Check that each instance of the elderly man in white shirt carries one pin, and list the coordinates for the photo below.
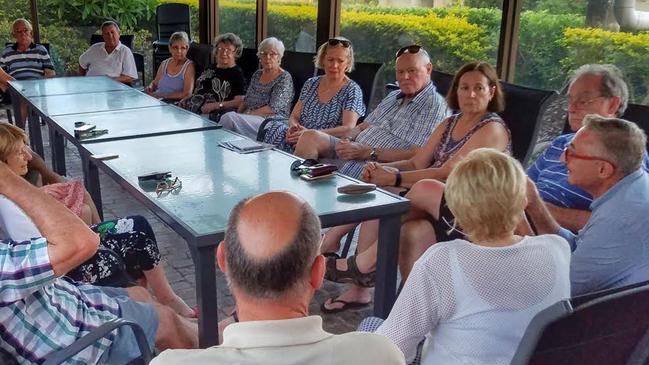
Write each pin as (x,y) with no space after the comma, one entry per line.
(271,258)
(110,57)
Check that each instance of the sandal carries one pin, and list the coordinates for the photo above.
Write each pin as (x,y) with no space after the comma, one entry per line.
(351,276)
(345,305)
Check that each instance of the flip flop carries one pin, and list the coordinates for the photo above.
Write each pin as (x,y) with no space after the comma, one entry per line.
(345,306)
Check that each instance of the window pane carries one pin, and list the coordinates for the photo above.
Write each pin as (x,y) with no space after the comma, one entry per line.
(294,22)
(67,26)
(238,17)
(558,36)
(452,35)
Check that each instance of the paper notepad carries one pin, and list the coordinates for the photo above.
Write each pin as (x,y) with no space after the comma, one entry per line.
(244,145)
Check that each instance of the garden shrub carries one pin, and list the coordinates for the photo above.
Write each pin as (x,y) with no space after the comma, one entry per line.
(626,50)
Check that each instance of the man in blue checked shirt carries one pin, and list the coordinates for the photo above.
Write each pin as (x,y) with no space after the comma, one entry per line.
(594,89)
(41,313)
(399,125)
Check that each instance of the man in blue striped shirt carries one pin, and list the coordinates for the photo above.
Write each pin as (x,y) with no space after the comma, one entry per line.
(24,60)
(41,313)
(399,125)
(594,89)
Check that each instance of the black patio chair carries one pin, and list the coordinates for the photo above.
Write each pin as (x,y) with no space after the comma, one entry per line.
(300,66)
(201,54)
(248,62)
(610,329)
(139,66)
(523,107)
(65,354)
(442,81)
(170,18)
(364,74)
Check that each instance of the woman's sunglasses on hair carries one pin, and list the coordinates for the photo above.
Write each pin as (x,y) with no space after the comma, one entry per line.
(409,49)
(336,41)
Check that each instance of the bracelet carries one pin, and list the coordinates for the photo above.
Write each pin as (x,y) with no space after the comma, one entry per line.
(397,181)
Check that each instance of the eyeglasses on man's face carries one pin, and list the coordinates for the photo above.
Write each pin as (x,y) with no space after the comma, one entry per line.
(570,154)
(270,54)
(583,102)
(414,48)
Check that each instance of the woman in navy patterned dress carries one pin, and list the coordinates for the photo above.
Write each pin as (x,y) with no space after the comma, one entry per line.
(331,102)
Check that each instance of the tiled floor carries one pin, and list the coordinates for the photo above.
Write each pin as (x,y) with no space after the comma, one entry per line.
(177,261)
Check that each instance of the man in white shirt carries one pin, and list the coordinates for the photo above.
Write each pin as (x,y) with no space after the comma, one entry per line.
(270,256)
(110,57)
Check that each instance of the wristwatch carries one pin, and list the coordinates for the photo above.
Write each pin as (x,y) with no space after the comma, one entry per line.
(373,155)
(220,105)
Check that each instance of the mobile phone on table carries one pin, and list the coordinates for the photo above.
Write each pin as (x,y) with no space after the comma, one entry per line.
(321,169)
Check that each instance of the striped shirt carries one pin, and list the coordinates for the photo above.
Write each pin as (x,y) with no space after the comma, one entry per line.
(551,177)
(40,313)
(395,125)
(26,65)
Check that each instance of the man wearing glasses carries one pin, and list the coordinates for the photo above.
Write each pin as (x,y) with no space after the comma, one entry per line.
(399,125)
(605,159)
(594,89)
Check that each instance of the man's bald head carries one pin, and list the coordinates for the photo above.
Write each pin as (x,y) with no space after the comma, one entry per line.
(270,244)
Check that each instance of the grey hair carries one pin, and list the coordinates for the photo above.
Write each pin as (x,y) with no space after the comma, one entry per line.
(228,38)
(613,83)
(271,43)
(322,52)
(179,37)
(27,23)
(109,23)
(622,141)
(278,275)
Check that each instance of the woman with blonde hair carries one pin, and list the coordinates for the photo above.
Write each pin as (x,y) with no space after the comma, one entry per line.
(175,77)
(473,298)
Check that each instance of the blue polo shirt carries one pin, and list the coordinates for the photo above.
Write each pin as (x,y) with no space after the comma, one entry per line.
(612,250)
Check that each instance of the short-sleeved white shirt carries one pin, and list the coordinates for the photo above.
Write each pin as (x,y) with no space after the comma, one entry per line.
(97,62)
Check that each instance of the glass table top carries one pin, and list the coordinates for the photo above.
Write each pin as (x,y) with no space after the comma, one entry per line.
(215,179)
(67,85)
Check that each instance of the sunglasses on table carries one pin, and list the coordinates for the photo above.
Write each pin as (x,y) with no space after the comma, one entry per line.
(414,48)
(335,41)
(168,186)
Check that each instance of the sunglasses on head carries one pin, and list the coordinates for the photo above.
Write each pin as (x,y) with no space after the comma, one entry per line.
(409,49)
(336,41)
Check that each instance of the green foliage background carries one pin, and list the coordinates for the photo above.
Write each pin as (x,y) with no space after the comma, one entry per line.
(552,38)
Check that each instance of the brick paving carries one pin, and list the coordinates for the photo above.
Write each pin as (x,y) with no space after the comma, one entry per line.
(176,257)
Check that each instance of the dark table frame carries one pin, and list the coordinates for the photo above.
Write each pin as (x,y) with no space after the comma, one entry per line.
(202,247)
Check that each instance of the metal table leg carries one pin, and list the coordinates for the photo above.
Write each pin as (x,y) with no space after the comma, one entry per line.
(385,292)
(91,180)
(58,151)
(35,137)
(204,260)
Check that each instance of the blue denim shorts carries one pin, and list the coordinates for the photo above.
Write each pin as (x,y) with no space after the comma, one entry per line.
(124,348)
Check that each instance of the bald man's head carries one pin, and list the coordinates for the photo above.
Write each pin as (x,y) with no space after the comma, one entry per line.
(270,244)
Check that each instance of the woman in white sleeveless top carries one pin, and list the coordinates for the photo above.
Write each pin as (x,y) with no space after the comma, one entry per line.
(472,300)
(175,77)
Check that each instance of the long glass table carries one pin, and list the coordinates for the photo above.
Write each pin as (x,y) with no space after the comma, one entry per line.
(121,124)
(73,95)
(214,179)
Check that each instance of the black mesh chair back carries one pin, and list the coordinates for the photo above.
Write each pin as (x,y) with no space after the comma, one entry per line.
(125,39)
(201,54)
(300,66)
(139,66)
(639,114)
(171,18)
(364,74)
(248,62)
(523,107)
(610,329)
(636,113)
(442,81)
